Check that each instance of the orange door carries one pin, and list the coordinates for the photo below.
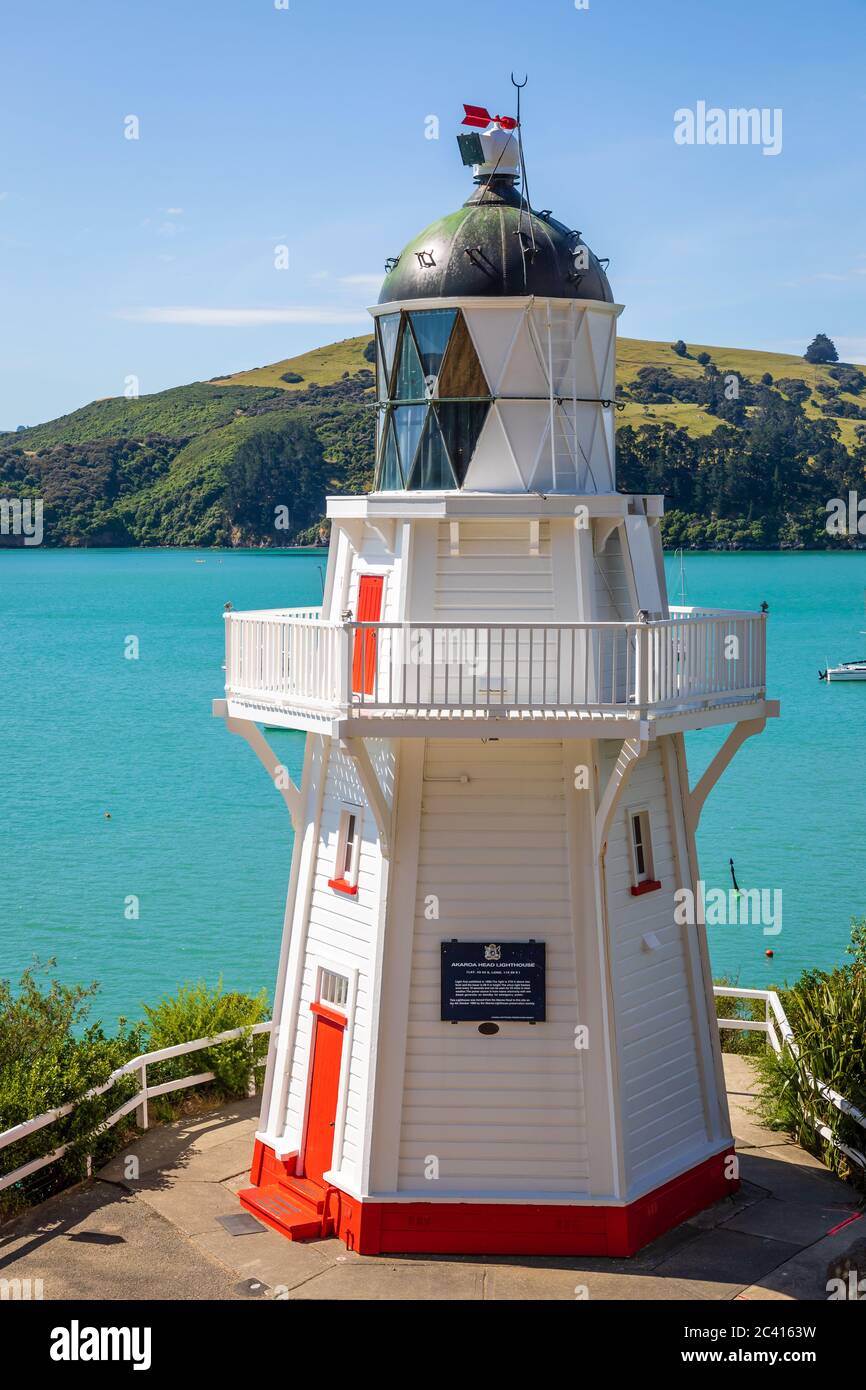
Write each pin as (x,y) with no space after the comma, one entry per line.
(369,611)
(324,1086)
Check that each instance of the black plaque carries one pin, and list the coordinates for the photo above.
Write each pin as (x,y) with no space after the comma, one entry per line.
(497,982)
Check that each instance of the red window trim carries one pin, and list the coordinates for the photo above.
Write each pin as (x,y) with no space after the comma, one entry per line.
(342,886)
(331,1015)
(649,885)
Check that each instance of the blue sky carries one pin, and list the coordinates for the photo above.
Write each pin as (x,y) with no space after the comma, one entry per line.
(262,126)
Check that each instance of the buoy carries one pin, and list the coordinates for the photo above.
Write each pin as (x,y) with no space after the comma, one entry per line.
(107,815)
(769,954)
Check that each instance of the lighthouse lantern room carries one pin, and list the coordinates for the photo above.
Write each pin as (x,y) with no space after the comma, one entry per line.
(493,1023)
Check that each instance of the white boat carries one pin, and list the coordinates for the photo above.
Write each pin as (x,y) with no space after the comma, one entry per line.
(845,671)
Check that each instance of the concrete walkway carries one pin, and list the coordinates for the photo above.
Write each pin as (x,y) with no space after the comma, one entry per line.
(159,1236)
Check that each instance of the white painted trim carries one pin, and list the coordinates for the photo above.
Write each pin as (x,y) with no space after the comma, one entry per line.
(277,771)
(351,973)
(491,302)
(392,1022)
(299,931)
(597,1074)
(356,749)
(631,751)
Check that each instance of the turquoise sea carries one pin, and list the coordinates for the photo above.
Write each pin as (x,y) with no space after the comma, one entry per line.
(197,834)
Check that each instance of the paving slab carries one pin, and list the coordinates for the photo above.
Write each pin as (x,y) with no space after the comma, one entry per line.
(192,1206)
(741,1076)
(786,1172)
(801,1223)
(732,1258)
(378,1280)
(269,1257)
(804,1276)
(100,1243)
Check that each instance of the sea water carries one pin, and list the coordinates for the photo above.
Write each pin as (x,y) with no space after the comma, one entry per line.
(144,846)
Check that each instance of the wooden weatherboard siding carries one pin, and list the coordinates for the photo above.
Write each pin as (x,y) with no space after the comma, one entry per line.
(493,1110)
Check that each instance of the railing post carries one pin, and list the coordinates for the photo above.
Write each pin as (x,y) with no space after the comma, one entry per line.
(228,623)
(345,668)
(642,633)
(141,1111)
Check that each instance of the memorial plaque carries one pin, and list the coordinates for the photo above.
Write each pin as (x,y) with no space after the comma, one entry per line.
(497,982)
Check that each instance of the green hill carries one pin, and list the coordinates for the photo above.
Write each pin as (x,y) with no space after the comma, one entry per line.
(210,463)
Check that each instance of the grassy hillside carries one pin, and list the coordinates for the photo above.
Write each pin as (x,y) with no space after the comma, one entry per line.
(322,367)
(209,463)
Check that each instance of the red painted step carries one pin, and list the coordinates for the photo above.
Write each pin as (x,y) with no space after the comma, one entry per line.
(304,1191)
(275,1206)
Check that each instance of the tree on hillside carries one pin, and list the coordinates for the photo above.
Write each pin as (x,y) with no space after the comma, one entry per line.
(679,348)
(277,469)
(821,349)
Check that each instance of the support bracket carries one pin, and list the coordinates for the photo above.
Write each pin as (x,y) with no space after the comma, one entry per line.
(356,749)
(732,744)
(277,771)
(602,529)
(631,751)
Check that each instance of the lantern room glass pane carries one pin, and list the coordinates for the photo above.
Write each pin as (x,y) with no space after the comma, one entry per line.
(432,328)
(408,424)
(410,374)
(432,470)
(381,373)
(390,478)
(462,373)
(461,423)
(389,326)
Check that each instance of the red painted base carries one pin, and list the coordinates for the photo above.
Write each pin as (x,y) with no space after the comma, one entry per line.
(500,1228)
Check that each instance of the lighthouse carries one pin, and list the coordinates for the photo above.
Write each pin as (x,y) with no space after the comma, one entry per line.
(493,1025)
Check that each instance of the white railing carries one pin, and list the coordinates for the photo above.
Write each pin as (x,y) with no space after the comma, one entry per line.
(691,660)
(780,1036)
(137,1102)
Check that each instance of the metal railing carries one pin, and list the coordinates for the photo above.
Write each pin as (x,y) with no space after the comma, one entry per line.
(137,1102)
(690,660)
(780,1036)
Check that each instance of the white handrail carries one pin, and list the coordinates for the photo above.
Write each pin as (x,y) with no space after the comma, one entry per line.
(691,660)
(774,1003)
(136,1102)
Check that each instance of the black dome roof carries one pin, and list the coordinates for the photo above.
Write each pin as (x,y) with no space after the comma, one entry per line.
(485,248)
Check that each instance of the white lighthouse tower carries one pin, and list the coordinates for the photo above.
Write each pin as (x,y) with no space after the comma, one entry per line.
(493,1021)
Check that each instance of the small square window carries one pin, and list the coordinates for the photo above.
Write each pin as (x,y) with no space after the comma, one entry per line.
(333,989)
(348,854)
(640,843)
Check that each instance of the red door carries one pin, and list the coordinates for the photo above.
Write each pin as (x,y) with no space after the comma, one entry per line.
(324,1086)
(369,611)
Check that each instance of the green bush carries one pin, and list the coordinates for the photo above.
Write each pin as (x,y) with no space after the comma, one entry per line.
(51,1055)
(196,1011)
(827,1014)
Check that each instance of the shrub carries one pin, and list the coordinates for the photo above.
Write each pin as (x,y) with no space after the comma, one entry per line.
(679,348)
(827,1014)
(292,378)
(50,1055)
(704,358)
(196,1011)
